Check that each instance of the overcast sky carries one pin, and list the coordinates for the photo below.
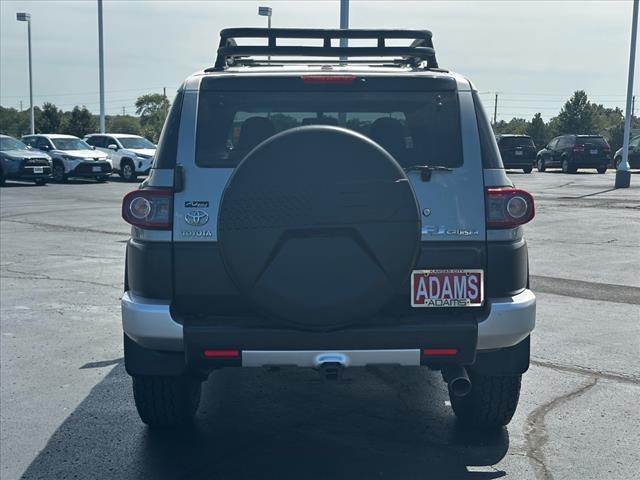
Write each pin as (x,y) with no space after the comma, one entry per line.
(535,53)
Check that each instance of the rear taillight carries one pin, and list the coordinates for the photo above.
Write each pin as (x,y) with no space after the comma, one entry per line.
(508,207)
(148,208)
(328,78)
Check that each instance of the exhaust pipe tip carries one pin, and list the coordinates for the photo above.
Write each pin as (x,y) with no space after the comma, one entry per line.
(460,386)
(458,380)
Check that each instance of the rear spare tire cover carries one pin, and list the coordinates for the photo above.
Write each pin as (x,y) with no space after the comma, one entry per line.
(319,226)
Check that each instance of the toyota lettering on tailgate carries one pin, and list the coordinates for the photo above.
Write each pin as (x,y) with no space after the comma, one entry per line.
(447,288)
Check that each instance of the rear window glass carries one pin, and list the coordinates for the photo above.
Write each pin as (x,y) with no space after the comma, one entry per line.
(416,128)
(511,142)
(599,141)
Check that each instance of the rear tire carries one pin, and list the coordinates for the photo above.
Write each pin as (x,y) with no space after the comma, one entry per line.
(101,179)
(527,169)
(541,165)
(166,402)
(128,171)
(602,169)
(58,173)
(490,404)
(2,179)
(40,182)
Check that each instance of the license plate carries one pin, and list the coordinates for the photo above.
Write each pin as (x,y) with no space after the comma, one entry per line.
(593,152)
(96,169)
(518,152)
(447,288)
(38,170)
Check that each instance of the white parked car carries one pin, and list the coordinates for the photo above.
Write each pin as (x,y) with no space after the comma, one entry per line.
(72,158)
(130,155)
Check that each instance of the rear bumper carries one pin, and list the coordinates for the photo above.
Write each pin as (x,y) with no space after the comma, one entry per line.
(510,320)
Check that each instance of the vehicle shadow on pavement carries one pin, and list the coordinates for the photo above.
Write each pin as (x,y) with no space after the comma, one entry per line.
(380,422)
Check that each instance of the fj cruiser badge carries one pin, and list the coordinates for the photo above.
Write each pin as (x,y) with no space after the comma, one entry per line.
(196,218)
(196,204)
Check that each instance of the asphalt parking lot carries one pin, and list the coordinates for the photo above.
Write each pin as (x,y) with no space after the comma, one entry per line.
(67,410)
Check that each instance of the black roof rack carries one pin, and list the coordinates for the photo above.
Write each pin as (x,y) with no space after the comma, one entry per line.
(420,50)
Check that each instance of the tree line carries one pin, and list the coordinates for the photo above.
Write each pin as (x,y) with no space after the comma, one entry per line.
(579,116)
(151,110)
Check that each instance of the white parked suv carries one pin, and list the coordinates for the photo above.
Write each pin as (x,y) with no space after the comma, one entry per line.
(130,155)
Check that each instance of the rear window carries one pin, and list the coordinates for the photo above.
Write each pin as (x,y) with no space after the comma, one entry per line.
(598,141)
(512,142)
(417,128)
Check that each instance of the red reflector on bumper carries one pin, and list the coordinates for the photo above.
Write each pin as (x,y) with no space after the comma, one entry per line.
(221,353)
(439,351)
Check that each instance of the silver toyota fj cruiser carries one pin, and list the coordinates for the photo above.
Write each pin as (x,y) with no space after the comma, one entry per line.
(327,207)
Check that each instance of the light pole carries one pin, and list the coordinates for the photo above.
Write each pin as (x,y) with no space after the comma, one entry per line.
(26,17)
(266,12)
(101,66)
(623,175)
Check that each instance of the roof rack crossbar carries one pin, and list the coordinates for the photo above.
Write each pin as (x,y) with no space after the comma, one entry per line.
(421,49)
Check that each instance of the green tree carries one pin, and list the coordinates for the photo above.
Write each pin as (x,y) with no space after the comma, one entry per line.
(124,124)
(50,120)
(79,122)
(153,109)
(576,116)
(517,126)
(537,130)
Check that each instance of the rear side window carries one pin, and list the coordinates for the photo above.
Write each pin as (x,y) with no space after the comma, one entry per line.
(168,143)
(417,128)
(488,146)
(565,142)
(597,141)
(512,142)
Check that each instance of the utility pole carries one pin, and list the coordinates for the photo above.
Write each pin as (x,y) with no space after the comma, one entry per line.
(123,111)
(495,110)
(101,66)
(26,17)
(623,175)
(21,105)
(633,106)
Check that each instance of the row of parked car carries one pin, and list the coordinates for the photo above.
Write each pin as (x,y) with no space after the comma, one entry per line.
(567,152)
(58,157)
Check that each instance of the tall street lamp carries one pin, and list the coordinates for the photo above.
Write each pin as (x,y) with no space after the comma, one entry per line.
(623,175)
(101,65)
(266,12)
(26,17)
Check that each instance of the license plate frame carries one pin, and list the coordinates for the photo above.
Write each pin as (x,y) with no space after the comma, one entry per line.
(97,169)
(593,151)
(519,153)
(38,169)
(422,288)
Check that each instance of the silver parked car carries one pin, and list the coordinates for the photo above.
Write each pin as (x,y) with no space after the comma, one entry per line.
(71,157)
(327,215)
(130,155)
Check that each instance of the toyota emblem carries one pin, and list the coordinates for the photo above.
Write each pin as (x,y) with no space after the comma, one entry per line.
(196,218)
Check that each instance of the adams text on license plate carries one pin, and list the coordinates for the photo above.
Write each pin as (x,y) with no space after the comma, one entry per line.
(447,288)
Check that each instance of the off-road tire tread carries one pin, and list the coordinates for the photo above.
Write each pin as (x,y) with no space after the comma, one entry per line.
(165,402)
(490,404)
